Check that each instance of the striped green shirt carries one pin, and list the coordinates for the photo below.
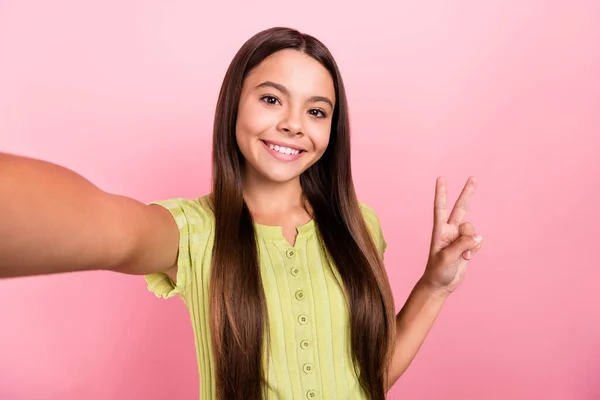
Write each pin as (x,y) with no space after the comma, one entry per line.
(310,356)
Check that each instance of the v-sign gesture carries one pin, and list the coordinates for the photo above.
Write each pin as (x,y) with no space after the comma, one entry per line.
(453,242)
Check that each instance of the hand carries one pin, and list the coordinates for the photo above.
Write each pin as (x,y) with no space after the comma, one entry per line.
(453,243)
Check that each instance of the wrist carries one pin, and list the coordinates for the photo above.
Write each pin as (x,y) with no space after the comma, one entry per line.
(433,289)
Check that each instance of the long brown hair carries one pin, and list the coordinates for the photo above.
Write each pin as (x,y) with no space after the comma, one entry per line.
(238,307)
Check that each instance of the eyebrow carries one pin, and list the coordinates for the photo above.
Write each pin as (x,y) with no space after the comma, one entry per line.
(284,90)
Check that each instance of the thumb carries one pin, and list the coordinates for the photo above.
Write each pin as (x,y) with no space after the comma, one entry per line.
(462,244)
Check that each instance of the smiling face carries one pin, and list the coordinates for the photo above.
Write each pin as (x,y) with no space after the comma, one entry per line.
(285,115)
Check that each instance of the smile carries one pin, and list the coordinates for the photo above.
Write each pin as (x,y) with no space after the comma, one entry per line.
(283,153)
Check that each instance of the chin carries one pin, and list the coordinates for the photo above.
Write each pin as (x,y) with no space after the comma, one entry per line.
(274,175)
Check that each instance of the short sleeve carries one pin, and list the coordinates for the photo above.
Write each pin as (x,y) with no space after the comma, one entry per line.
(374,227)
(193,224)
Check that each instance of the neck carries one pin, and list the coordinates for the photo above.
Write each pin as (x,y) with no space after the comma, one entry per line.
(265,196)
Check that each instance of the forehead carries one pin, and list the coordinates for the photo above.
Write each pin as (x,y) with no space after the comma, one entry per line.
(298,72)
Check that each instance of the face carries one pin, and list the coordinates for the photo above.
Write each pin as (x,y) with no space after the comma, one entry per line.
(284,116)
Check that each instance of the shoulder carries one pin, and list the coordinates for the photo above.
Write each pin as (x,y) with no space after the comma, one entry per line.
(374,225)
(193,214)
(368,212)
(370,216)
(194,218)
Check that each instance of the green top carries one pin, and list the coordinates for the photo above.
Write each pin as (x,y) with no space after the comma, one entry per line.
(309,322)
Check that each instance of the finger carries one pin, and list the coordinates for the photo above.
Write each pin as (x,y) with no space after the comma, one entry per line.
(461,246)
(477,248)
(469,254)
(440,212)
(466,229)
(464,201)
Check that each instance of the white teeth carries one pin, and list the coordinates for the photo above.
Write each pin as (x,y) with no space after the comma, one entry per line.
(284,150)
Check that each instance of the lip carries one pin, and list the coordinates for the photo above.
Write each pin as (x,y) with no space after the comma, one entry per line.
(280,156)
(281,144)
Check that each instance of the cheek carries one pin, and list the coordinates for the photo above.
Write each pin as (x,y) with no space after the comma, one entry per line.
(252,120)
(321,139)
(244,124)
(246,130)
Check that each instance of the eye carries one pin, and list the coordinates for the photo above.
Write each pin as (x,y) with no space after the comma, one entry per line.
(315,112)
(271,100)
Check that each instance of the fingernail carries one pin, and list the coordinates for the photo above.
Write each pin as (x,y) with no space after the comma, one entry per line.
(468,254)
(477,238)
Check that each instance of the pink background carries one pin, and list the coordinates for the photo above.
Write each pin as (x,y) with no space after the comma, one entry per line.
(123,92)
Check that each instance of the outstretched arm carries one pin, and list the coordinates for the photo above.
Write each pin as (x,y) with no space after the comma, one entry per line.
(53,220)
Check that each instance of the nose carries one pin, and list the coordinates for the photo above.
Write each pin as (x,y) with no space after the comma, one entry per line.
(291,124)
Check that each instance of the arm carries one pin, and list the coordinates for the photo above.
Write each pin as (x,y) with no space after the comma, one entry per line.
(53,220)
(453,245)
(413,323)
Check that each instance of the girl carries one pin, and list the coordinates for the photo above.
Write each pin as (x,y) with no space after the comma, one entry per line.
(280,266)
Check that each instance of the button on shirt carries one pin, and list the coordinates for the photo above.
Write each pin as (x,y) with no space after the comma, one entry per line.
(309,355)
